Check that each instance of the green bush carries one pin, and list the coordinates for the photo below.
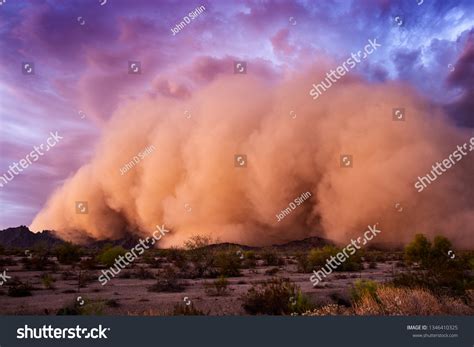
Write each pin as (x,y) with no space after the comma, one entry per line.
(362,288)
(68,253)
(439,273)
(317,259)
(271,258)
(228,263)
(109,254)
(302,262)
(249,260)
(419,250)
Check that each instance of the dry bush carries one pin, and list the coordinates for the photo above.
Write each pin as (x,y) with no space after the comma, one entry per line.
(329,310)
(410,302)
(217,288)
(167,282)
(392,301)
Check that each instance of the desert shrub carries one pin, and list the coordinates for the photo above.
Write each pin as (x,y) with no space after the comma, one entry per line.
(186,310)
(19,289)
(340,299)
(168,282)
(202,258)
(38,262)
(437,271)
(272,271)
(176,256)
(88,264)
(218,287)
(372,265)
(109,254)
(329,310)
(69,310)
(112,303)
(419,250)
(375,255)
(140,272)
(300,303)
(363,288)
(68,275)
(250,260)
(302,262)
(150,258)
(48,281)
(68,253)
(197,241)
(275,297)
(317,258)
(400,264)
(228,263)
(5,262)
(198,253)
(143,273)
(88,308)
(271,258)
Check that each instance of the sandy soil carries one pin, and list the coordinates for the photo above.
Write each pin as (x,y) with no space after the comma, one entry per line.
(133,297)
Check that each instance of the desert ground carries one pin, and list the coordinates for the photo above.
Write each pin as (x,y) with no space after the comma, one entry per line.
(229,280)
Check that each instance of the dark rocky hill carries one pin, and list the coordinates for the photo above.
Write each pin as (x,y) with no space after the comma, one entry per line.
(22,237)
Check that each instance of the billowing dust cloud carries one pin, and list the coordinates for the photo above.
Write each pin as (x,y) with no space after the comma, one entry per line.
(190,184)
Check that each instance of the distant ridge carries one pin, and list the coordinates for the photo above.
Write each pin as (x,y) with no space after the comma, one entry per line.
(22,237)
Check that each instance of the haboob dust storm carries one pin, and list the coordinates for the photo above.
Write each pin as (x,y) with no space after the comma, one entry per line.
(190,183)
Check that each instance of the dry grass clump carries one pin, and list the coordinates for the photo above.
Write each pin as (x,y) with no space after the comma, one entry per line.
(409,302)
(330,310)
(392,301)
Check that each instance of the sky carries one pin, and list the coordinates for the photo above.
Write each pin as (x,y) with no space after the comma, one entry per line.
(81,51)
